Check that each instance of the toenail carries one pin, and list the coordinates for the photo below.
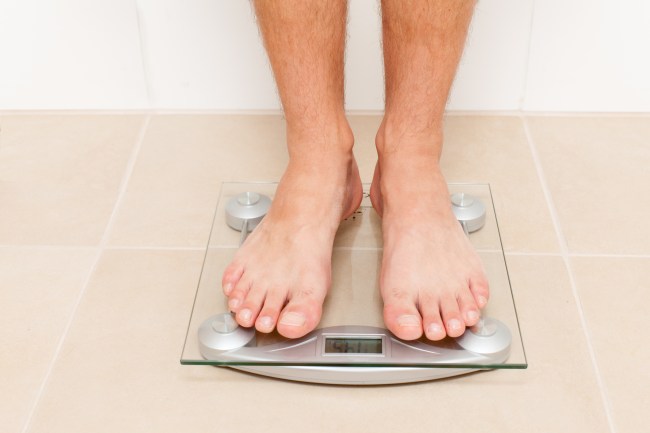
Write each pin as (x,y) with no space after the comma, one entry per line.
(266,322)
(227,288)
(293,319)
(245,314)
(453,325)
(482,301)
(234,303)
(472,316)
(434,328)
(408,320)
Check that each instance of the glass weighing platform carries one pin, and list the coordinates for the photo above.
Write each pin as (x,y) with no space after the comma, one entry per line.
(351,345)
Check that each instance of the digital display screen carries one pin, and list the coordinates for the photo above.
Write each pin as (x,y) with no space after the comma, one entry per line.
(353,345)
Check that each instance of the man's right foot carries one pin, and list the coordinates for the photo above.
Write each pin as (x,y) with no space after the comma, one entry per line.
(281,274)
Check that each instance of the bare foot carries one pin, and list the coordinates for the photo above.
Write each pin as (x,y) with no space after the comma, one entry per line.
(282,273)
(431,279)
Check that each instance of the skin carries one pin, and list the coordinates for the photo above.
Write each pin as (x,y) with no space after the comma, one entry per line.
(432,281)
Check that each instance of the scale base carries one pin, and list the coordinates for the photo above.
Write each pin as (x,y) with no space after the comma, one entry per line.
(354,375)
(354,355)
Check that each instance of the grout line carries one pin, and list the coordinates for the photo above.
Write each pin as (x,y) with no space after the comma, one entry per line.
(190,248)
(142,43)
(77,112)
(100,249)
(152,248)
(524,90)
(529,253)
(567,263)
(225,246)
(611,256)
(47,247)
(581,114)
(277,112)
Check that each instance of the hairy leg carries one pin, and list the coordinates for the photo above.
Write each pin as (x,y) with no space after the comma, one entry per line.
(282,273)
(432,280)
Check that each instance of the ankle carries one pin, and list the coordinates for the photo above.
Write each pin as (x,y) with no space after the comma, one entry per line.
(325,135)
(413,138)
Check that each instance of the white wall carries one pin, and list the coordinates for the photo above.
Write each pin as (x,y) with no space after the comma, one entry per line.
(550,55)
(589,55)
(70,54)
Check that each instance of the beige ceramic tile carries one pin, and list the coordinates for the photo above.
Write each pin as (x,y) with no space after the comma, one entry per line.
(597,170)
(119,369)
(173,192)
(38,289)
(131,320)
(184,159)
(494,150)
(60,175)
(614,294)
(484,149)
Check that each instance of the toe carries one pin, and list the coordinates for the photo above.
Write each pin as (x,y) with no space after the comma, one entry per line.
(231,277)
(401,315)
(431,321)
(268,316)
(451,316)
(298,319)
(238,294)
(302,313)
(250,307)
(468,308)
(435,330)
(480,290)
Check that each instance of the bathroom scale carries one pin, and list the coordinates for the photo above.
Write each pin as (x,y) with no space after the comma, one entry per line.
(351,345)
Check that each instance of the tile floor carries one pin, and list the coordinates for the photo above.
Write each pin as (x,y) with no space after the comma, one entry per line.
(102,222)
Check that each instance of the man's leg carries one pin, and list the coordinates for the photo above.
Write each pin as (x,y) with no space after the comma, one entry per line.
(281,274)
(431,279)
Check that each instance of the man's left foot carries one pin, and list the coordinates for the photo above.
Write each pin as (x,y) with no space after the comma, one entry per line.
(431,280)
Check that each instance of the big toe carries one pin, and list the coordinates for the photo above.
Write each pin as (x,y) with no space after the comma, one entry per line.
(299,318)
(402,319)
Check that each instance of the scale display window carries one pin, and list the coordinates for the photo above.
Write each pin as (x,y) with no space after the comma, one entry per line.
(351,332)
